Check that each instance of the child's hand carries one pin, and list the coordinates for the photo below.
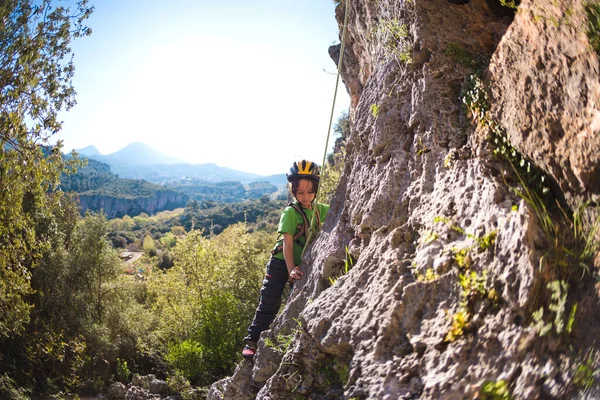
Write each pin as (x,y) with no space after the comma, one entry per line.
(296,274)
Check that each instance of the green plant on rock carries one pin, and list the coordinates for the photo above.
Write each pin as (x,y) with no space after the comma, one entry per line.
(394,36)
(509,4)
(430,275)
(449,160)
(429,237)
(571,242)
(421,147)
(463,56)
(488,240)
(476,99)
(348,264)
(450,224)
(592,9)
(584,236)
(473,285)
(584,376)
(495,390)
(473,288)
(559,291)
(460,320)
(462,257)
(406,55)
(333,372)
(282,342)
(375,110)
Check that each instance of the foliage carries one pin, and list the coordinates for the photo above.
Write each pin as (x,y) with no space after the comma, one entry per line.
(394,37)
(464,57)
(210,216)
(206,301)
(495,390)
(123,372)
(509,4)
(534,187)
(421,148)
(331,176)
(473,286)
(476,99)
(35,85)
(592,9)
(430,275)
(281,343)
(149,246)
(584,376)
(225,191)
(449,160)
(559,290)
(91,175)
(167,227)
(341,128)
(348,264)
(179,384)
(83,308)
(459,321)
(461,256)
(375,110)
(10,390)
(129,189)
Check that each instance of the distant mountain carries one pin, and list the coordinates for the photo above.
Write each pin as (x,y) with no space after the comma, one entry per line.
(167,173)
(140,161)
(90,151)
(138,153)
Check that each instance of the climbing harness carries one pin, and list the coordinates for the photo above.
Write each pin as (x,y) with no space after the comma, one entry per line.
(300,229)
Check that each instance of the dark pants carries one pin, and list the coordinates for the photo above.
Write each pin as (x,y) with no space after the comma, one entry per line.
(270,298)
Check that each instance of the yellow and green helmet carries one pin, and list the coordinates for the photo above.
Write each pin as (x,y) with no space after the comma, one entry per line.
(303,169)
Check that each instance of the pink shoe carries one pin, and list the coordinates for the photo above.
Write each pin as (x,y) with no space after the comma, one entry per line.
(248,352)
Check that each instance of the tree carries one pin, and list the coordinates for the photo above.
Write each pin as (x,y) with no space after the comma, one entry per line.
(149,246)
(94,264)
(36,70)
(207,300)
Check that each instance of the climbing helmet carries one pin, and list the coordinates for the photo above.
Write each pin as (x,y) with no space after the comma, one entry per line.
(303,169)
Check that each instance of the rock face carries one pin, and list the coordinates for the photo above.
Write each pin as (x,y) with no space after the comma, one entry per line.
(450,263)
(117,207)
(547,94)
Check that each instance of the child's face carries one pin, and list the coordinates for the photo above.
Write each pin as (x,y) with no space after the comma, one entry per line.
(305,193)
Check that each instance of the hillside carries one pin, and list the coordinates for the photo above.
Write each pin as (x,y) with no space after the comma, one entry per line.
(99,188)
(469,203)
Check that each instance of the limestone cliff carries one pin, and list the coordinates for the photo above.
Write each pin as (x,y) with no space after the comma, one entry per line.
(452,265)
(118,206)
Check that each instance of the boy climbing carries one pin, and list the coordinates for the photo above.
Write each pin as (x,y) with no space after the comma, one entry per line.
(284,264)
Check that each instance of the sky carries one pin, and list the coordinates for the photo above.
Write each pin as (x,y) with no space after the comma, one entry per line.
(244,84)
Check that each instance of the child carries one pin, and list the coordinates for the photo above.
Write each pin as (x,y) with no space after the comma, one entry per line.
(284,264)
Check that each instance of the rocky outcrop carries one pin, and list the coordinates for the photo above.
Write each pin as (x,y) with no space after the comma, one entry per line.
(117,207)
(450,263)
(544,78)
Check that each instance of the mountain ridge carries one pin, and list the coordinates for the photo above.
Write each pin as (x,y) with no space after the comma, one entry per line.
(138,160)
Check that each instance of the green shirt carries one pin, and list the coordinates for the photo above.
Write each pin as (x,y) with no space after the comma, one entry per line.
(289,221)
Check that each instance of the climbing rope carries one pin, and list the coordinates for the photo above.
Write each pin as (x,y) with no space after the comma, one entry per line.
(337,81)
